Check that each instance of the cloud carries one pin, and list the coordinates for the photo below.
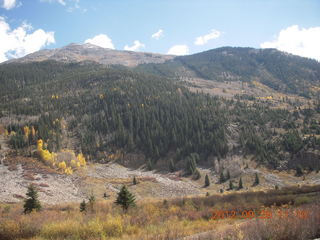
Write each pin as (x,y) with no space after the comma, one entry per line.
(101,40)
(135,47)
(21,41)
(9,4)
(178,50)
(62,2)
(157,35)
(205,38)
(299,41)
(70,5)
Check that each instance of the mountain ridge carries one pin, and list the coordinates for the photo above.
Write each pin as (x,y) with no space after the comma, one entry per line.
(88,52)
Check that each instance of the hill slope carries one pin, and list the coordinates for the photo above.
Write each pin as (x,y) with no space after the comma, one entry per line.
(89,52)
(105,112)
(278,70)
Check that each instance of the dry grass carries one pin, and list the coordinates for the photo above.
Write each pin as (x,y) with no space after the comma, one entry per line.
(165,220)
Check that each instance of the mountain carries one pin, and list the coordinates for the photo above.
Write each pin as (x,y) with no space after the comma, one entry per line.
(147,115)
(89,52)
(278,70)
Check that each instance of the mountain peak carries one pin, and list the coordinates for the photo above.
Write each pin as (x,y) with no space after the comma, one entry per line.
(75,52)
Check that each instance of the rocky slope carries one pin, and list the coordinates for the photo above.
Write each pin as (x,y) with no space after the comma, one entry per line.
(89,52)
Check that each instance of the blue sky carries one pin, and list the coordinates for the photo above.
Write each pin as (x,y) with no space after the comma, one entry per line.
(179,26)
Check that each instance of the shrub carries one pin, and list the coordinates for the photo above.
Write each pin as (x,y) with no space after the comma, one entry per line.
(61,230)
(113,226)
(9,229)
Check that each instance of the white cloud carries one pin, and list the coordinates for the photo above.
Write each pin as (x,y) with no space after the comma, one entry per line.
(178,50)
(101,40)
(21,41)
(71,5)
(299,41)
(157,35)
(205,38)
(137,45)
(62,2)
(9,4)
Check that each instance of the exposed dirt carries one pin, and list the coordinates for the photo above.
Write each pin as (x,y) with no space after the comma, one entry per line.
(17,173)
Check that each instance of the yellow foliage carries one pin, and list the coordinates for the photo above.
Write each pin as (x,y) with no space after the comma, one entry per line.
(39,145)
(73,163)
(62,165)
(33,132)
(74,229)
(61,230)
(81,159)
(12,133)
(113,227)
(26,131)
(68,171)
(47,156)
(6,133)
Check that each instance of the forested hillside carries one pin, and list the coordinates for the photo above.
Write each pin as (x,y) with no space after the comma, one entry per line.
(105,112)
(278,70)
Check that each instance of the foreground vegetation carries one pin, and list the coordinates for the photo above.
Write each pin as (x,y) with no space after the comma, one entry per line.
(172,219)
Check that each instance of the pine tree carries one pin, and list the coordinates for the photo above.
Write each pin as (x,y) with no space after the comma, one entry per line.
(134,181)
(230,185)
(83,206)
(222,179)
(171,165)
(228,175)
(149,164)
(32,202)
(125,198)
(299,171)
(240,184)
(256,180)
(191,165)
(206,181)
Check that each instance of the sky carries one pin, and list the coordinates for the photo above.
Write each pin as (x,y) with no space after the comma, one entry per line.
(177,27)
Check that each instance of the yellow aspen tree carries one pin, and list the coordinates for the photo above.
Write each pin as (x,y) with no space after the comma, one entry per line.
(62,165)
(81,159)
(73,163)
(68,171)
(39,145)
(6,133)
(33,132)
(26,131)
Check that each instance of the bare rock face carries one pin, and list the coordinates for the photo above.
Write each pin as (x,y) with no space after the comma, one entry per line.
(89,52)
